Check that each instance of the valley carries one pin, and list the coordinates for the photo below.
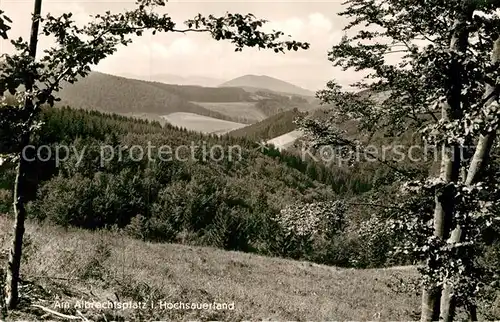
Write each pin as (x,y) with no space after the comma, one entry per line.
(217,110)
(175,161)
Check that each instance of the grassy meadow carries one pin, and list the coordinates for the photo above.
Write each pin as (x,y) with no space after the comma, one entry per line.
(70,265)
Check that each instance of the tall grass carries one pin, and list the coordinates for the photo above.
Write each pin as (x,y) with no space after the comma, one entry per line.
(107,266)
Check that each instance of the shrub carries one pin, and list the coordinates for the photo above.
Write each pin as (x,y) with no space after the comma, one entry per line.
(158,230)
(300,226)
(5,201)
(101,201)
(94,268)
(65,201)
(137,227)
(231,229)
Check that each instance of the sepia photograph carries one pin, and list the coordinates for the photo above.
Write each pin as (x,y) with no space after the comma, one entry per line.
(249,160)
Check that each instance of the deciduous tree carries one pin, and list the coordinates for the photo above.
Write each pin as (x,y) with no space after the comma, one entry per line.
(438,63)
(35,82)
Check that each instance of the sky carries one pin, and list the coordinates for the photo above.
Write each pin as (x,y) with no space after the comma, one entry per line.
(195,54)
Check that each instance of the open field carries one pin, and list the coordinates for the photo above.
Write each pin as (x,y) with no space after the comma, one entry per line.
(64,266)
(200,123)
(285,141)
(244,112)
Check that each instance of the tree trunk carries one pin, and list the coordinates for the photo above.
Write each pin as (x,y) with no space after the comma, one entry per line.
(443,213)
(450,164)
(12,278)
(477,165)
(473,312)
(14,265)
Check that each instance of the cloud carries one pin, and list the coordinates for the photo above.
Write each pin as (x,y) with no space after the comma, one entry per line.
(182,46)
(198,54)
(292,26)
(319,23)
(315,24)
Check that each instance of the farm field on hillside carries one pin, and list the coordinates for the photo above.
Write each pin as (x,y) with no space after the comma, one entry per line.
(147,116)
(200,123)
(244,112)
(284,141)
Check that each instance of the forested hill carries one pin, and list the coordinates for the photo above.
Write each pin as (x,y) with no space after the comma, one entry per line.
(194,192)
(114,94)
(269,128)
(268,83)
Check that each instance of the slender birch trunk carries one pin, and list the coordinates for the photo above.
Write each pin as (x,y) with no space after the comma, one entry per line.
(14,265)
(477,165)
(450,165)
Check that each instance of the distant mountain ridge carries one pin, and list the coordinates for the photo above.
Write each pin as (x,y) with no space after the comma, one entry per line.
(267,83)
(177,79)
(146,99)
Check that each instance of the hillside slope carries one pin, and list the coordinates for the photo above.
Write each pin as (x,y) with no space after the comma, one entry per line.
(266,82)
(269,128)
(115,94)
(286,140)
(242,112)
(69,266)
(178,80)
(132,97)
